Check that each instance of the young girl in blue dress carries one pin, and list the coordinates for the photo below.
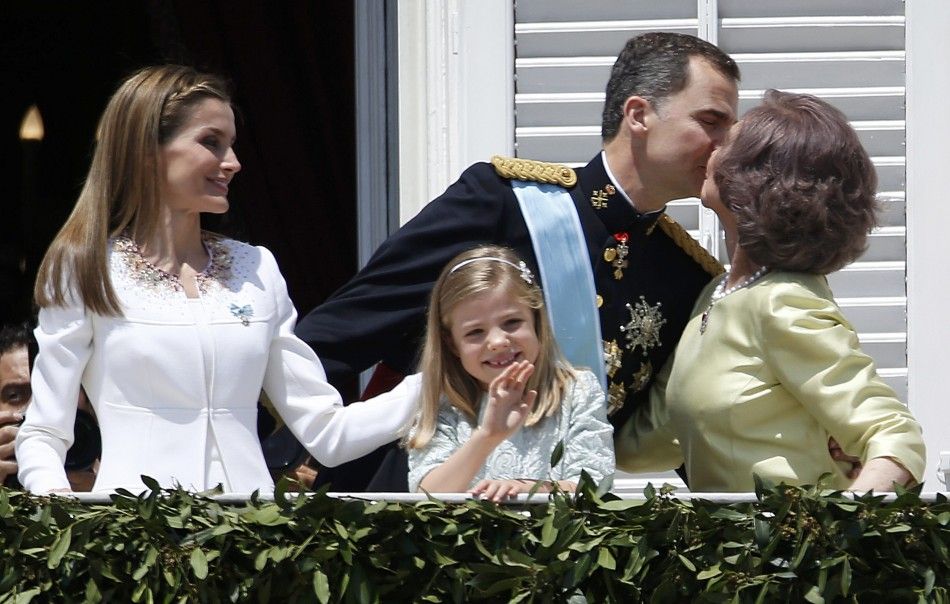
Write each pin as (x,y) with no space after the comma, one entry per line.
(497,396)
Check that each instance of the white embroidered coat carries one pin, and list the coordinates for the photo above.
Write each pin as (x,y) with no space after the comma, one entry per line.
(175,381)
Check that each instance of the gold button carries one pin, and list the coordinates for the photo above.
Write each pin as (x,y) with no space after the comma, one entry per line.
(600,300)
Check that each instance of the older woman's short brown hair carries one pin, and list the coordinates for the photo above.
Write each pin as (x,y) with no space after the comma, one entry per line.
(801,186)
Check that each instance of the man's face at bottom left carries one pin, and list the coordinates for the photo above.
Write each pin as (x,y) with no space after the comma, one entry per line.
(15,391)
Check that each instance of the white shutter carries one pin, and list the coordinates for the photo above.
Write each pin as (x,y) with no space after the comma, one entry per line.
(848,52)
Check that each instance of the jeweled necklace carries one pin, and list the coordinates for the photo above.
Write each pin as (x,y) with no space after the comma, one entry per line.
(722,291)
(145,273)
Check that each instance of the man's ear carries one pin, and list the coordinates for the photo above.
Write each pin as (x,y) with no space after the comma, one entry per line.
(636,110)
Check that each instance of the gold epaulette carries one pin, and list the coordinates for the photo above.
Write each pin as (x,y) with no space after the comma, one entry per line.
(697,252)
(537,171)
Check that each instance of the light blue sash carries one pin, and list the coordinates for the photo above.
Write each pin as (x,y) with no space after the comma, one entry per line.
(561,252)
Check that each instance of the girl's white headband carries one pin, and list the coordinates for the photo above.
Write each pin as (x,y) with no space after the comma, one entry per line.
(521,266)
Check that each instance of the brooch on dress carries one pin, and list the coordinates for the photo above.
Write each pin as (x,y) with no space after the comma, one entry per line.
(243,313)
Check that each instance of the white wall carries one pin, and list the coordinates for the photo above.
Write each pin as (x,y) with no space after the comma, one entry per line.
(456,92)
(928,216)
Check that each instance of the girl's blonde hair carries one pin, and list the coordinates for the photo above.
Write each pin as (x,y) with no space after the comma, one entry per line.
(121,191)
(482,269)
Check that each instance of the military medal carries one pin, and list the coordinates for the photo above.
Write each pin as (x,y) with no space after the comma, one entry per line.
(618,255)
(612,357)
(616,396)
(642,377)
(643,330)
(599,198)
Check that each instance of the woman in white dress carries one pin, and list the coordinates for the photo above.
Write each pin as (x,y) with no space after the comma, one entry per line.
(172,330)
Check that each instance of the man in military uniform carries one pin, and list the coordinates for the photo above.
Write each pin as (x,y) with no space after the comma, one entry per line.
(670,102)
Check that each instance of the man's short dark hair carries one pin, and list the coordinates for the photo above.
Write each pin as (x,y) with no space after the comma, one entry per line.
(14,336)
(654,66)
(801,186)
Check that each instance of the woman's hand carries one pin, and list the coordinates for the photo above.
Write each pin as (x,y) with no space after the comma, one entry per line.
(499,490)
(881,474)
(838,454)
(508,404)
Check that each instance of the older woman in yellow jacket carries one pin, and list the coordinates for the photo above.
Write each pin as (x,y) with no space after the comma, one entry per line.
(768,368)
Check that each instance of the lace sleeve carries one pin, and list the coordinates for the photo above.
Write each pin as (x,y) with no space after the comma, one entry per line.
(589,441)
(444,442)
